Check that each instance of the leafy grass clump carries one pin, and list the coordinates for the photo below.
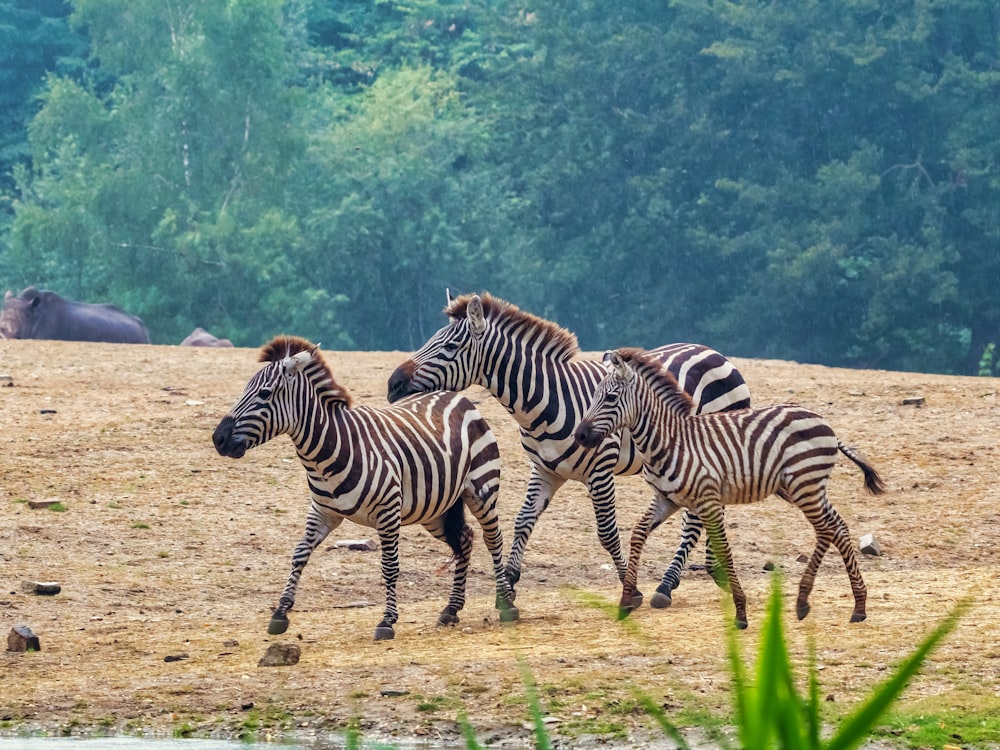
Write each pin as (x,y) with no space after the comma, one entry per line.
(770,712)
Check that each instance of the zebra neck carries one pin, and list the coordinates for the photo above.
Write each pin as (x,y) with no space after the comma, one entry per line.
(315,429)
(657,428)
(531,387)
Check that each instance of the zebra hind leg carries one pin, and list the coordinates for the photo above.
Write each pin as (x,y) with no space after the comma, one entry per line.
(482,504)
(456,600)
(389,539)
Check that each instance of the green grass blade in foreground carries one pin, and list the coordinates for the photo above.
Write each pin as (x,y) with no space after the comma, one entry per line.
(854,730)
(534,706)
(660,717)
(468,733)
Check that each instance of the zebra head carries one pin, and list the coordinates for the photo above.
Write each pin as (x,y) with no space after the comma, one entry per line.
(613,403)
(452,359)
(270,402)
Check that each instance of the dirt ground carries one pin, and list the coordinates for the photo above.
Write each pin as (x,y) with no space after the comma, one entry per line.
(164,549)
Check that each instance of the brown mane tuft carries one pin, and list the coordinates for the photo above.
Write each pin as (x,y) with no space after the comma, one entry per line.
(287,346)
(563,343)
(662,381)
(280,347)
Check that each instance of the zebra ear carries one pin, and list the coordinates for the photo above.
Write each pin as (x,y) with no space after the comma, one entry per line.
(476,316)
(618,366)
(296,362)
(447,293)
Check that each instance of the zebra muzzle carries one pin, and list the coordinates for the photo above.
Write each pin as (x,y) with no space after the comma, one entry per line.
(226,443)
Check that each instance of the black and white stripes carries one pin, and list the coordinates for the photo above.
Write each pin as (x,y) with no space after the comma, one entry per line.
(421,461)
(703,462)
(530,365)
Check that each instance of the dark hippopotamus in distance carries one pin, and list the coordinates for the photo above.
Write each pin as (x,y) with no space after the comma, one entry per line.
(40,314)
(200,337)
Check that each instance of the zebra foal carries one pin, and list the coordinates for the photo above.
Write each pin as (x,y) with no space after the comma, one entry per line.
(422,461)
(533,368)
(705,461)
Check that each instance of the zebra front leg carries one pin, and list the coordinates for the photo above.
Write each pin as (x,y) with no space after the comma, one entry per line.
(541,487)
(690,531)
(711,515)
(388,531)
(601,486)
(318,527)
(659,510)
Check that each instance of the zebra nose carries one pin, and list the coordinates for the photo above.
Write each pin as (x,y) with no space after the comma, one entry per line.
(399,383)
(587,436)
(222,439)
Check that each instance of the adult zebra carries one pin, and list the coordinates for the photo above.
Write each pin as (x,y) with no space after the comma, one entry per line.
(530,365)
(704,461)
(420,462)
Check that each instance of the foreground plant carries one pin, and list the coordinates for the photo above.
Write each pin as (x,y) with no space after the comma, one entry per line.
(770,713)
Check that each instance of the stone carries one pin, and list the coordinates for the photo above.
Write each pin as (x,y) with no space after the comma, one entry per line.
(869,545)
(42,588)
(362,545)
(913,401)
(20,638)
(280,655)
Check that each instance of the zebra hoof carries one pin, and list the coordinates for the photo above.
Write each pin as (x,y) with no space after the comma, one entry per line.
(660,600)
(509,614)
(447,618)
(277,625)
(801,610)
(859,617)
(637,600)
(624,612)
(741,624)
(384,633)
(513,576)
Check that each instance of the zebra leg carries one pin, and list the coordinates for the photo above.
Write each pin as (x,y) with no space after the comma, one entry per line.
(542,485)
(456,600)
(482,505)
(601,485)
(690,531)
(712,515)
(318,527)
(659,510)
(388,531)
(831,528)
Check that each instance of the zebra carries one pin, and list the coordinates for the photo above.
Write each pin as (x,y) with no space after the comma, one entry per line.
(531,366)
(422,461)
(705,461)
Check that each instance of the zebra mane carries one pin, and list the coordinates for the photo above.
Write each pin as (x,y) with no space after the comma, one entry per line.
(322,378)
(662,381)
(563,344)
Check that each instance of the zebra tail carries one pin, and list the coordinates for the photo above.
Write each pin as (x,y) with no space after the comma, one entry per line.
(873,482)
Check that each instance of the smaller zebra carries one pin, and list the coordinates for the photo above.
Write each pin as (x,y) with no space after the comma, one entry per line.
(705,461)
(421,461)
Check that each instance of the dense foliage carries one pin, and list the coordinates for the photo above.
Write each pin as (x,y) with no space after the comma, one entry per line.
(808,181)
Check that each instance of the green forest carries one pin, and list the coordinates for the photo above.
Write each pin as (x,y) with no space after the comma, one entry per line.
(808,181)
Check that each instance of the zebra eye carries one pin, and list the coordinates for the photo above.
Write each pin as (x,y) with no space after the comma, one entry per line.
(450,348)
(610,398)
(264,394)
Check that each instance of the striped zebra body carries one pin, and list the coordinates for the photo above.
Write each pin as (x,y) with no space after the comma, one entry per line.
(531,367)
(421,461)
(704,462)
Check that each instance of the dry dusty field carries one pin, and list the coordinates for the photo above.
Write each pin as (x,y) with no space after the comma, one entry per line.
(166,549)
